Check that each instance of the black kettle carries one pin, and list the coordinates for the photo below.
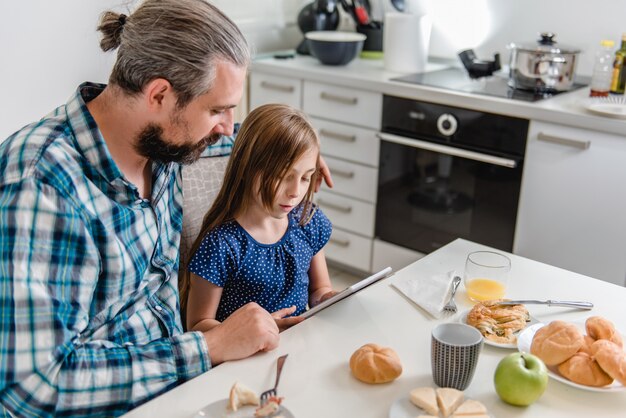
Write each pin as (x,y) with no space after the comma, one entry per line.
(318,15)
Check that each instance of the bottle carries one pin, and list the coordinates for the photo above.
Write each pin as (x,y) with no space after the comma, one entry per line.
(602,70)
(619,69)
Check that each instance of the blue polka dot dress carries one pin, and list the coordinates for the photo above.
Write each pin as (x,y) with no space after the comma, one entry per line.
(273,275)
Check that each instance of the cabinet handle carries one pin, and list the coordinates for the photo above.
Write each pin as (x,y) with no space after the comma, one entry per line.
(341,173)
(563,141)
(340,242)
(339,99)
(340,208)
(279,87)
(336,135)
(444,149)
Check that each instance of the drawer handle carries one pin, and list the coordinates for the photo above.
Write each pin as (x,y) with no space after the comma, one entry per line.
(340,208)
(564,141)
(340,242)
(341,173)
(279,87)
(336,135)
(339,99)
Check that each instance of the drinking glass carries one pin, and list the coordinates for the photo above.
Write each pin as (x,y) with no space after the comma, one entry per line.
(486,274)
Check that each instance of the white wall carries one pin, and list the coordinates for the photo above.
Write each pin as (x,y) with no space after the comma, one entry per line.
(49,47)
(489,26)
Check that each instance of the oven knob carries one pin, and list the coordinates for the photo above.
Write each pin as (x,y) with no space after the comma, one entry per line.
(447,124)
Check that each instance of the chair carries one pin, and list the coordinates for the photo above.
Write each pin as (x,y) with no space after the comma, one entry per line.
(201,183)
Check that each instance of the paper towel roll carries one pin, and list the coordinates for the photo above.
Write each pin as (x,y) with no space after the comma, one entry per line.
(405,42)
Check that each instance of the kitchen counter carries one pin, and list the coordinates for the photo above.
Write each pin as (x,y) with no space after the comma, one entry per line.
(565,108)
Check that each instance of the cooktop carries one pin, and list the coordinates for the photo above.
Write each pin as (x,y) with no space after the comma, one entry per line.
(495,85)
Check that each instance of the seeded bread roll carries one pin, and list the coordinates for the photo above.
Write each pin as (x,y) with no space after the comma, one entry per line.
(611,358)
(584,370)
(556,342)
(600,328)
(375,364)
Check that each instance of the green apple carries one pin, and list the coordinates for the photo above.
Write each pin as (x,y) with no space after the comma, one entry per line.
(520,379)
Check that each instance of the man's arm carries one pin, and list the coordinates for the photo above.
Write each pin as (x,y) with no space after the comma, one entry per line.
(58,356)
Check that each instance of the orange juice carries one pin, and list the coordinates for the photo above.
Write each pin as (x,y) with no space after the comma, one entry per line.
(484,289)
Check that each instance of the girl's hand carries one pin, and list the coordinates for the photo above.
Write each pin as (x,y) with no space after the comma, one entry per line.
(285,323)
(324,174)
(328,295)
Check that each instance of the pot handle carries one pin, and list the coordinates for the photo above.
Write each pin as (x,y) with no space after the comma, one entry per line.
(547,38)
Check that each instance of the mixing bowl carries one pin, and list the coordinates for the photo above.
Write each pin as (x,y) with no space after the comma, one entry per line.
(334,48)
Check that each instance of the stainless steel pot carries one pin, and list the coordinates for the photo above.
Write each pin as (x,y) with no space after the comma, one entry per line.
(543,65)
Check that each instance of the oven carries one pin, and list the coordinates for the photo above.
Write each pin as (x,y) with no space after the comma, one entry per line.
(447,173)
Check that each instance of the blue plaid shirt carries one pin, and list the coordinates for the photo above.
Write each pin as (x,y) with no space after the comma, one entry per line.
(88,274)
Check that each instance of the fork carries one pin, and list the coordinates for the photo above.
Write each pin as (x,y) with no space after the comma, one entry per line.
(265,396)
(451,306)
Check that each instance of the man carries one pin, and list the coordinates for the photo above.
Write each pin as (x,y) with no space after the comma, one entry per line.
(91,215)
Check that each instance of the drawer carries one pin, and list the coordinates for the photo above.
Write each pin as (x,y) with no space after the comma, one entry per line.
(349,249)
(353,180)
(348,142)
(271,89)
(343,105)
(346,213)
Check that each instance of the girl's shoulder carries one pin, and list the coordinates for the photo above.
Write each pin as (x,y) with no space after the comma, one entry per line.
(318,225)
(228,232)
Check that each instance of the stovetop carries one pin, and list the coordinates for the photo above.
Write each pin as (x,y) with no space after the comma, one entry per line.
(496,85)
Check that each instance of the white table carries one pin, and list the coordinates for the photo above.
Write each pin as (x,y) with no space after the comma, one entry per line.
(317,382)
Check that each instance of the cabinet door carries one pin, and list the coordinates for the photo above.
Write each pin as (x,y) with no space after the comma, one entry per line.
(348,142)
(356,107)
(265,88)
(353,180)
(572,210)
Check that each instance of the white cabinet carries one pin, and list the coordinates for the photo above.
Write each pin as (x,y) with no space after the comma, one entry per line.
(572,211)
(347,121)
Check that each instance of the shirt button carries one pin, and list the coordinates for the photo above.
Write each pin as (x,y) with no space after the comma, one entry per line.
(158,308)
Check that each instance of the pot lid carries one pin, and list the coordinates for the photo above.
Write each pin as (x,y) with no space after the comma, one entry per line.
(547,44)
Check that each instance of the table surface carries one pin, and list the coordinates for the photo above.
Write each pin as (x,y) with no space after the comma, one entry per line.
(316,380)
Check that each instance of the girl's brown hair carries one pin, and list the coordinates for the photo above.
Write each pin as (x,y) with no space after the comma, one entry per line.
(271,139)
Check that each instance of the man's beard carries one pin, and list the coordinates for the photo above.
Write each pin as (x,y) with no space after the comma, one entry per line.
(151,144)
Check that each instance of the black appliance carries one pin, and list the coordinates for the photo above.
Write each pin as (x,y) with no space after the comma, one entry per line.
(447,173)
(496,85)
(318,15)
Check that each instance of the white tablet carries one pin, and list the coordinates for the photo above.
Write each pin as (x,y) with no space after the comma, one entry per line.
(348,291)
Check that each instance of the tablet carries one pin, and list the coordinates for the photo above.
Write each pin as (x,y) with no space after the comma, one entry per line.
(347,292)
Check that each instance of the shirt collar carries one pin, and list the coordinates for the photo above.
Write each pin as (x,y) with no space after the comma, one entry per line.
(91,144)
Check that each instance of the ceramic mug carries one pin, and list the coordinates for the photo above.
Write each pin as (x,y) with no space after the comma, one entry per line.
(454,353)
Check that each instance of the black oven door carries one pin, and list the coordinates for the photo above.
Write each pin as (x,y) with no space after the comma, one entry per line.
(430,194)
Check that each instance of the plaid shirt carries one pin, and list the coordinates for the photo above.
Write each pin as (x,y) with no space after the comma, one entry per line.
(88,274)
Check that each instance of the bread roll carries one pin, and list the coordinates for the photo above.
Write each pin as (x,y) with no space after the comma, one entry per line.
(611,358)
(600,328)
(375,364)
(582,369)
(556,342)
(586,347)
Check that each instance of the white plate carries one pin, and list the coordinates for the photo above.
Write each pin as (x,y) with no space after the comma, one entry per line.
(525,339)
(613,106)
(463,319)
(403,408)
(217,409)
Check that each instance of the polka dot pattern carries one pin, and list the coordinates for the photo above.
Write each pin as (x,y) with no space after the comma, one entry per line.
(273,275)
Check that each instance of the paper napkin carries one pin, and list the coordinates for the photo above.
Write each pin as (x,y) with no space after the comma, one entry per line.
(431,293)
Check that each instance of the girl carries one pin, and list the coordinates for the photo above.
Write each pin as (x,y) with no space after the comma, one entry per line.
(262,239)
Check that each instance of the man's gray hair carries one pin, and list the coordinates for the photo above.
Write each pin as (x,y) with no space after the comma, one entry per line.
(178,40)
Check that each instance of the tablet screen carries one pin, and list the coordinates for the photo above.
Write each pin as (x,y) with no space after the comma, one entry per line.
(348,291)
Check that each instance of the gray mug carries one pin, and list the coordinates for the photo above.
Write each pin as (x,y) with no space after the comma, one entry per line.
(454,352)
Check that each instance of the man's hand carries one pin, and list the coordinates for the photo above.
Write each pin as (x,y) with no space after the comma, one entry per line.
(248,330)
(324,174)
(284,323)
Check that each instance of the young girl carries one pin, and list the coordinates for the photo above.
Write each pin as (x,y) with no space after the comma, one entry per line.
(262,239)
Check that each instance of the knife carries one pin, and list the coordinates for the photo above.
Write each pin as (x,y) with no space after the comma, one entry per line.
(568,303)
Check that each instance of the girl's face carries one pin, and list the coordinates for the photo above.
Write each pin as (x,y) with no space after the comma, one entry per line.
(295,184)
